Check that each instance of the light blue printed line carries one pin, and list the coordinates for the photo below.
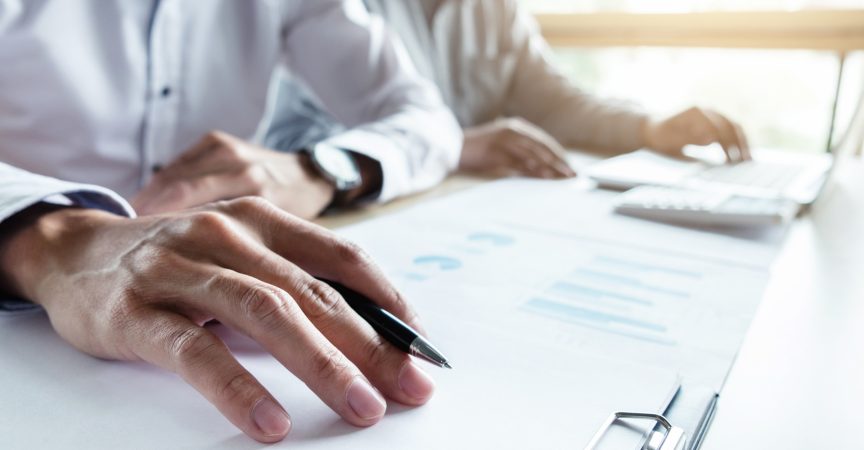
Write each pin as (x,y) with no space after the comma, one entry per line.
(442,262)
(575,312)
(648,267)
(605,329)
(493,238)
(629,281)
(571,290)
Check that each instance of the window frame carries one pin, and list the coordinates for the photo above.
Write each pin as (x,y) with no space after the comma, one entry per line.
(839,30)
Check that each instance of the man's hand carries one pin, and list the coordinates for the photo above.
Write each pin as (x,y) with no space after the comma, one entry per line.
(513,146)
(696,126)
(141,289)
(223,167)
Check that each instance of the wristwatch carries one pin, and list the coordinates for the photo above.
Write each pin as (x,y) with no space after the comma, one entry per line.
(338,167)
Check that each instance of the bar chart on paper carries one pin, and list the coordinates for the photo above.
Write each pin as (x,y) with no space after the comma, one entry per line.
(617,296)
(591,295)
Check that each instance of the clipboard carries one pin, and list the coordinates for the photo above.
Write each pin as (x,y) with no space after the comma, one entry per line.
(682,426)
(668,437)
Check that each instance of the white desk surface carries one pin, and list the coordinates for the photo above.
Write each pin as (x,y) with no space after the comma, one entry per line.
(798,382)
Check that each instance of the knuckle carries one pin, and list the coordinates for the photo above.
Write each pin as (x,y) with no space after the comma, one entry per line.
(249,205)
(188,345)
(377,351)
(319,300)
(351,253)
(214,136)
(227,151)
(119,314)
(400,304)
(328,364)
(254,177)
(695,110)
(702,132)
(210,223)
(179,190)
(264,306)
(236,386)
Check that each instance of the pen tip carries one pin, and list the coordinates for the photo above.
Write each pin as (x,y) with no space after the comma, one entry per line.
(424,350)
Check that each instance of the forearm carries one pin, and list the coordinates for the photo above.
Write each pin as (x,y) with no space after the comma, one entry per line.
(590,123)
(543,95)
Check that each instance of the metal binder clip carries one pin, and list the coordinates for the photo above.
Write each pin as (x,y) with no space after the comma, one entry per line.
(669,438)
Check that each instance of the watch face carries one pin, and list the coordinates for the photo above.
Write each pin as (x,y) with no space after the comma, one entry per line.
(338,165)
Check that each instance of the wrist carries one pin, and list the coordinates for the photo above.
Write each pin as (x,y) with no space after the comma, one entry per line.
(33,240)
(371,179)
(350,176)
(322,188)
(649,131)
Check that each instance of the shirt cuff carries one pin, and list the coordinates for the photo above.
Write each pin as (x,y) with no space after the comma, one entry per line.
(403,173)
(9,307)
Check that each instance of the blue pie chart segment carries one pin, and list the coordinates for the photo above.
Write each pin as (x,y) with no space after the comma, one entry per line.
(441,262)
(498,240)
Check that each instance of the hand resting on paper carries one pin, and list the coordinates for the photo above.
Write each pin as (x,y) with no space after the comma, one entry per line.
(513,146)
(141,289)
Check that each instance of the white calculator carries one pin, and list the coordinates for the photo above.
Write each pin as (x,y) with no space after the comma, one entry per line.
(704,207)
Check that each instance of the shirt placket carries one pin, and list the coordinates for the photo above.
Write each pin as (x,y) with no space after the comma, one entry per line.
(164,89)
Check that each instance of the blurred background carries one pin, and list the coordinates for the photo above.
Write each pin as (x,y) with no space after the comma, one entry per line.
(773,65)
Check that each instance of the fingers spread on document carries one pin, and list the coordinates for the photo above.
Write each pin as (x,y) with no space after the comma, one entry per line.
(175,343)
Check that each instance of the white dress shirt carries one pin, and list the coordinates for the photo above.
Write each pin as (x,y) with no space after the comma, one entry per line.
(103,92)
(489,60)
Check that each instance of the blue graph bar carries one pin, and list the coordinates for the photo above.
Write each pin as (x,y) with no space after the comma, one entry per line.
(629,281)
(596,320)
(647,267)
(571,290)
(591,315)
(496,239)
(441,262)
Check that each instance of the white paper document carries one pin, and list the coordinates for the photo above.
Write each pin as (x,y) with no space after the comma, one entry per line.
(552,260)
(503,394)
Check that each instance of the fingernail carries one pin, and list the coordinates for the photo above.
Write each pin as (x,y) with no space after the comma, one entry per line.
(366,402)
(271,418)
(415,383)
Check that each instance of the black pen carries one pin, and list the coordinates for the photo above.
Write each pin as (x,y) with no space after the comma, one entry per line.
(389,326)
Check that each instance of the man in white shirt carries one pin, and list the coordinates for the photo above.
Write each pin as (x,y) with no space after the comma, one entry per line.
(101,102)
(494,70)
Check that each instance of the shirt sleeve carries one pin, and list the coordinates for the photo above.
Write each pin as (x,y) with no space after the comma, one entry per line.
(541,94)
(20,189)
(365,79)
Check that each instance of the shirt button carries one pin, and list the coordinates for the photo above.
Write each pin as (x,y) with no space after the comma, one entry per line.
(166,92)
(156,168)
